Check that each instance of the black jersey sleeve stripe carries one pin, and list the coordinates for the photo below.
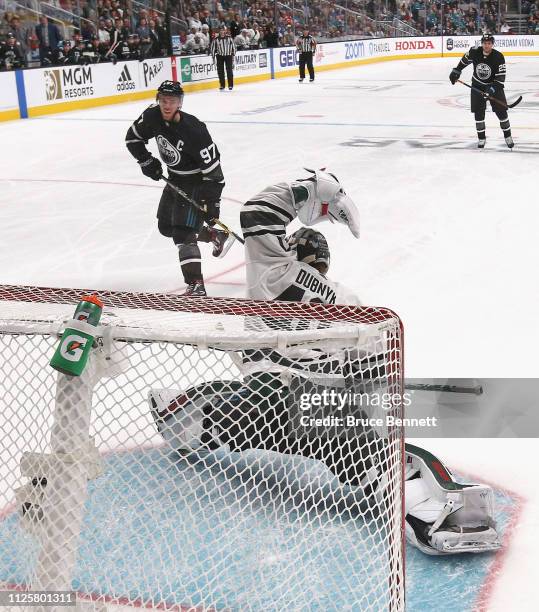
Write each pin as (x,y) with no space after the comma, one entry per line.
(263,232)
(277,209)
(249,219)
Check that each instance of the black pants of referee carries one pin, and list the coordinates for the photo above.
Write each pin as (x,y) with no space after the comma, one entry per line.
(225,61)
(306,59)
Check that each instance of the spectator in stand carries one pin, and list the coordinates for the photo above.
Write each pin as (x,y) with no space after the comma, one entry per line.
(205,19)
(49,37)
(87,30)
(235,26)
(118,27)
(126,28)
(205,35)
(256,37)
(156,48)
(242,40)
(21,35)
(114,34)
(271,38)
(194,21)
(143,33)
(162,31)
(289,38)
(533,23)
(505,28)
(103,35)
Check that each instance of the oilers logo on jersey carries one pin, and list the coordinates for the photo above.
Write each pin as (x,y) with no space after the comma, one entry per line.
(170,154)
(483,71)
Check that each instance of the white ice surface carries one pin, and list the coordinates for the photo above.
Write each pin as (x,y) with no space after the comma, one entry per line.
(449,233)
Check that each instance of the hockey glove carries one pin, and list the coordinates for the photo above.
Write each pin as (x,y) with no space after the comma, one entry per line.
(212,210)
(151,167)
(208,194)
(454,76)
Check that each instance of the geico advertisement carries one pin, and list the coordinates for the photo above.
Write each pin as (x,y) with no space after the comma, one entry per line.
(8,92)
(285,58)
(503,42)
(353,51)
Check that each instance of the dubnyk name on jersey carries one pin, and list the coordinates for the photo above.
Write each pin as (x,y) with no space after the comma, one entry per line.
(273,271)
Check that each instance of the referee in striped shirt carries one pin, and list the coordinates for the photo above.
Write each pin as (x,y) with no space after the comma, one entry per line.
(223,49)
(306,45)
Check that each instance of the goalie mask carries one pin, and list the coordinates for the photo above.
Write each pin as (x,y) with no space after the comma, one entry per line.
(311,248)
(321,197)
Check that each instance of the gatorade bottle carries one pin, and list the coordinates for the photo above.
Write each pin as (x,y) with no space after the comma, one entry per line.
(73,351)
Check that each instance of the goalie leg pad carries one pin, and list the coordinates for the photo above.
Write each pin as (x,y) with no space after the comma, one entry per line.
(442,515)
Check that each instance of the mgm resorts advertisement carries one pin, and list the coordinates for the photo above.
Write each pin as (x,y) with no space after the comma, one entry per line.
(55,85)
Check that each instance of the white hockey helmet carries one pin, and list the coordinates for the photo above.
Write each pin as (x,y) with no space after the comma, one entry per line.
(326,200)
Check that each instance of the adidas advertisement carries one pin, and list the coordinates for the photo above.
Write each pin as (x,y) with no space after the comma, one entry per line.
(125,82)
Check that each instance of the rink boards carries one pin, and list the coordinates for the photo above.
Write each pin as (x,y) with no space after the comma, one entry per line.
(43,91)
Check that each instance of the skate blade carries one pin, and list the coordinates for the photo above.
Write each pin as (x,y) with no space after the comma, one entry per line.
(229,242)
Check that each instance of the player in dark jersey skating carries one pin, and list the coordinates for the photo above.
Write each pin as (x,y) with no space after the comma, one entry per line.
(489,77)
(193,164)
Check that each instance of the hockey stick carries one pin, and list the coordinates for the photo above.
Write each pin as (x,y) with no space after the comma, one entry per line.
(477,390)
(202,209)
(112,48)
(489,97)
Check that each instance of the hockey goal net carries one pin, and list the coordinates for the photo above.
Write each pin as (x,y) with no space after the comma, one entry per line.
(259,499)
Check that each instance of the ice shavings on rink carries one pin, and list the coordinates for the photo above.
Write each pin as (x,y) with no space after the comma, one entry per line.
(237,528)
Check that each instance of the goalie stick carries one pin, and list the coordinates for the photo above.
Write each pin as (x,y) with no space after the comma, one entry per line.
(203,209)
(489,97)
(475,390)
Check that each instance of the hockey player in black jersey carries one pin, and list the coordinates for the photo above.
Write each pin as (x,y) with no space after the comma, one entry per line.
(489,77)
(193,164)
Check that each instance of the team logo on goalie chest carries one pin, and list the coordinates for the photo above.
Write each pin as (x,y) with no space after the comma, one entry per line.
(170,154)
(483,71)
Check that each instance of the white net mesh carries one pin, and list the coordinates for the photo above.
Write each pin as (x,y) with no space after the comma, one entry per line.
(185,468)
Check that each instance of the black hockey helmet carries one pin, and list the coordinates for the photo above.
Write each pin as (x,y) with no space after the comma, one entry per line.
(487,37)
(311,247)
(170,88)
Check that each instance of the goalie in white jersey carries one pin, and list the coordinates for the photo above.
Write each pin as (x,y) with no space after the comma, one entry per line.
(274,271)
(442,516)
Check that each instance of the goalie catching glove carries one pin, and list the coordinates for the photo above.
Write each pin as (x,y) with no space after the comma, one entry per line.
(445,517)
